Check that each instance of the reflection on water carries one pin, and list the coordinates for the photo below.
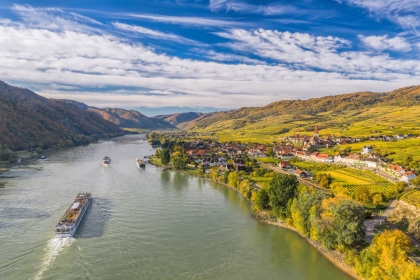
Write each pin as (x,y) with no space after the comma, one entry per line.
(141,224)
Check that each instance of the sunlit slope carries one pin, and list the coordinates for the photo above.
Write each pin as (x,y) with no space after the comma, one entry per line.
(356,114)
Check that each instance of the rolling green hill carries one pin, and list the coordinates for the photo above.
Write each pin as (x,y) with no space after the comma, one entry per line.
(179,118)
(29,119)
(354,114)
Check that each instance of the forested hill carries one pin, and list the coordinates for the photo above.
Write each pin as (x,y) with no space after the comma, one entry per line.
(179,118)
(131,119)
(335,104)
(27,118)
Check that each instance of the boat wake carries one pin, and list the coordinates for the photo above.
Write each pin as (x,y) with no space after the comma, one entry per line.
(54,248)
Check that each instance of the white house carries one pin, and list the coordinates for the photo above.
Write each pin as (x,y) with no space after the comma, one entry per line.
(408,176)
(367,150)
(372,162)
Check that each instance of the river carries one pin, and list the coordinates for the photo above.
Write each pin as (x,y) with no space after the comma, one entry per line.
(142,224)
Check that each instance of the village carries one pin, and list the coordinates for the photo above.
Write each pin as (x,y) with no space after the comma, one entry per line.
(231,156)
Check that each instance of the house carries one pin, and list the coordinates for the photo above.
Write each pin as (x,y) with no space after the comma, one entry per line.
(396,169)
(408,176)
(239,163)
(284,164)
(302,174)
(400,137)
(286,156)
(367,150)
(324,158)
(372,162)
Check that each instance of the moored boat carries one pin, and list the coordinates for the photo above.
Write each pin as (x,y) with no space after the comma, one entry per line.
(106,160)
(140,163)
(68,224)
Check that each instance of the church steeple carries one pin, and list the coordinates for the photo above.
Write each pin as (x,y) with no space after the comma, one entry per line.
(316,131)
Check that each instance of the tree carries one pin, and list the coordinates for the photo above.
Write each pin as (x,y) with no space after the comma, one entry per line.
(165,157)
(377,198)
(307,204)
(245,188)
(400,186)
(416,181)
(340,223)
(233,179)
(282,188)
(261,199)
(387,258)
(179,161)
(158,152)
(362,194)
(269,151)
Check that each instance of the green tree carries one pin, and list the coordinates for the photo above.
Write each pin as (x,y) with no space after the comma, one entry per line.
(179,161)
(340,223)
(261,199)
(400,186)
(377,198)
(226,176)
(158,152)
(165,157)
(416,182)
(234,179)
(362,194)
(269,151)
(306,204)
(282,188)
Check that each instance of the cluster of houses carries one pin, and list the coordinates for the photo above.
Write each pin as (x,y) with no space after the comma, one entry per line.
(229,156)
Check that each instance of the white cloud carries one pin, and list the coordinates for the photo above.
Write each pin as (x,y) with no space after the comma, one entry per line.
(381,43)
(242,7)
(81,65)
(154,33)
(403,12)
(54,19)
(304,51)
(191,21)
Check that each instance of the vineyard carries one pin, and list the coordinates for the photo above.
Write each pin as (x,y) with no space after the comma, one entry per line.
(352,178)
(412,197)
(262,181)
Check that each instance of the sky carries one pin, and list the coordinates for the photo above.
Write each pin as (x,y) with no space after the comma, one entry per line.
(166,56)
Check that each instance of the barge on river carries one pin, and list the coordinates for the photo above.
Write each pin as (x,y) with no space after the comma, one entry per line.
(68,224)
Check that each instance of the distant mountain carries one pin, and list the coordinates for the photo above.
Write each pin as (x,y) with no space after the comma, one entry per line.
(27,118)
(131,119)
(179,118)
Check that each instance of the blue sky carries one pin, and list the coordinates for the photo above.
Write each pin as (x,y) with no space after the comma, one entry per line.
(169,56)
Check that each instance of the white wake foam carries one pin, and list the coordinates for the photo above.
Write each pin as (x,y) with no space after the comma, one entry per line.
(54,248)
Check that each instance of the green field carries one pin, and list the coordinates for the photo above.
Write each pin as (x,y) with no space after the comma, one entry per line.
(412,197)
(268,160)
(351,178)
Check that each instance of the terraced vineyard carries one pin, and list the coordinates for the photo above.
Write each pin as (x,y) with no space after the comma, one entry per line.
(412,197)
(352,178)
(262,181)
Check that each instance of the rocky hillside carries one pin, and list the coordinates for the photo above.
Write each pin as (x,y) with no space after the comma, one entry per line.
(27,118)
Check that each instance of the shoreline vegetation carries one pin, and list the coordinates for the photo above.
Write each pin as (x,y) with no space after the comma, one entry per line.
(263,216)
(332,222)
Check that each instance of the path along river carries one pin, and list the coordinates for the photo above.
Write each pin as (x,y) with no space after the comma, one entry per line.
(142,224)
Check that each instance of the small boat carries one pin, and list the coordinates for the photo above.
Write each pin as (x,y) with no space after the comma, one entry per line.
(68,224)
(106,160)
(140,163)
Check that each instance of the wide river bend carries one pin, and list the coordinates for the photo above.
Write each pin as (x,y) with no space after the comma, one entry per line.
(142,224)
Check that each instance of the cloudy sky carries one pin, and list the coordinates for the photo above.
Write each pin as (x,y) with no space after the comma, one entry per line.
(203,55)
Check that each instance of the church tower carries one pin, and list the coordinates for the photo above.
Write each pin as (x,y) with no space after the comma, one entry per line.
(316,131)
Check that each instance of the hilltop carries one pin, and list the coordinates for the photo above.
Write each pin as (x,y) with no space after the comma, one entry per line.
(131,119)
(179,118)
(29,119)
(353,114)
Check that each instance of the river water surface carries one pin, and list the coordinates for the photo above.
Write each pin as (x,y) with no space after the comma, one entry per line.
(142,224)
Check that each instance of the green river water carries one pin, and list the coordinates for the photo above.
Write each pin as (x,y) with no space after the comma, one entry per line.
(142,224)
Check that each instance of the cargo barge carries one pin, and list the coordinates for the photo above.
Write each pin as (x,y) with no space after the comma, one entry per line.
(68,224)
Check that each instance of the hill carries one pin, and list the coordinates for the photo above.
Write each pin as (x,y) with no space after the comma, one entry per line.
(179,118)
(353,114)
(131,119)
(29,119)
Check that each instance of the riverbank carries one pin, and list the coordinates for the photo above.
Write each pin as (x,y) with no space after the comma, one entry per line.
(335,257)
